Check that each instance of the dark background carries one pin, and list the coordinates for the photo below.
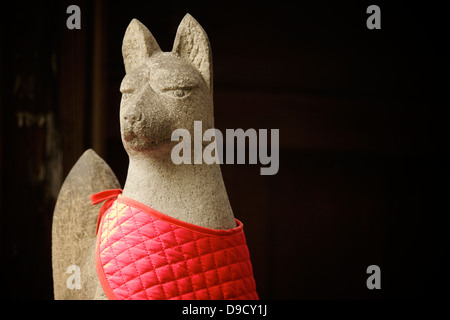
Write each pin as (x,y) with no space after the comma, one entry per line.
(363,126)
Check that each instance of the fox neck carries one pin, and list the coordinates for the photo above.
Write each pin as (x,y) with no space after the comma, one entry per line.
(193,193)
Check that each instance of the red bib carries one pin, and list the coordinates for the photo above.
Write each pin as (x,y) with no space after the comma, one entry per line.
(143,254)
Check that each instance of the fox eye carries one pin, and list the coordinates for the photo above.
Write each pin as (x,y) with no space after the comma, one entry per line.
(178,93)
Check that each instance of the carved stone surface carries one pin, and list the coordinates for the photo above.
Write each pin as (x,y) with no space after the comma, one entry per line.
(161,92)
(74,223)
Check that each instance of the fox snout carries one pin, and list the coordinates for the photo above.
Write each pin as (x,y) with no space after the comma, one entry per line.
(132,117)
(145,123)
(130,121)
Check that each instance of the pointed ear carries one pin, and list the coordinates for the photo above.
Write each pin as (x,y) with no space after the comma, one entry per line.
(138,44)
(191,43)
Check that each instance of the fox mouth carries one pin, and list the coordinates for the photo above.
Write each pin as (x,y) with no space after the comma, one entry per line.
(130,136)
(139,142)
(145,135)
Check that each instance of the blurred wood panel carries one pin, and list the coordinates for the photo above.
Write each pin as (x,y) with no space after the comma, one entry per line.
(74,88)
(99,79)
(311,122)
(29,172)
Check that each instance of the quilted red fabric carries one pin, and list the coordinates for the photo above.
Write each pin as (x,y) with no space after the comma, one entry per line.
(143,254)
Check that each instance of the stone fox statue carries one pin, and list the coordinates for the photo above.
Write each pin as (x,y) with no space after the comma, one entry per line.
(161,91)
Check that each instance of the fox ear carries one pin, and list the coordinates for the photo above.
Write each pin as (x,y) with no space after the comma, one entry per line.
(138,44)
(191,43)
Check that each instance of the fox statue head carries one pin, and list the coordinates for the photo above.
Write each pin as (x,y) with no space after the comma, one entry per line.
(163,91)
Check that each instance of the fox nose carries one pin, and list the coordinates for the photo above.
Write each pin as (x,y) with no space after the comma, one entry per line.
(132,117)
